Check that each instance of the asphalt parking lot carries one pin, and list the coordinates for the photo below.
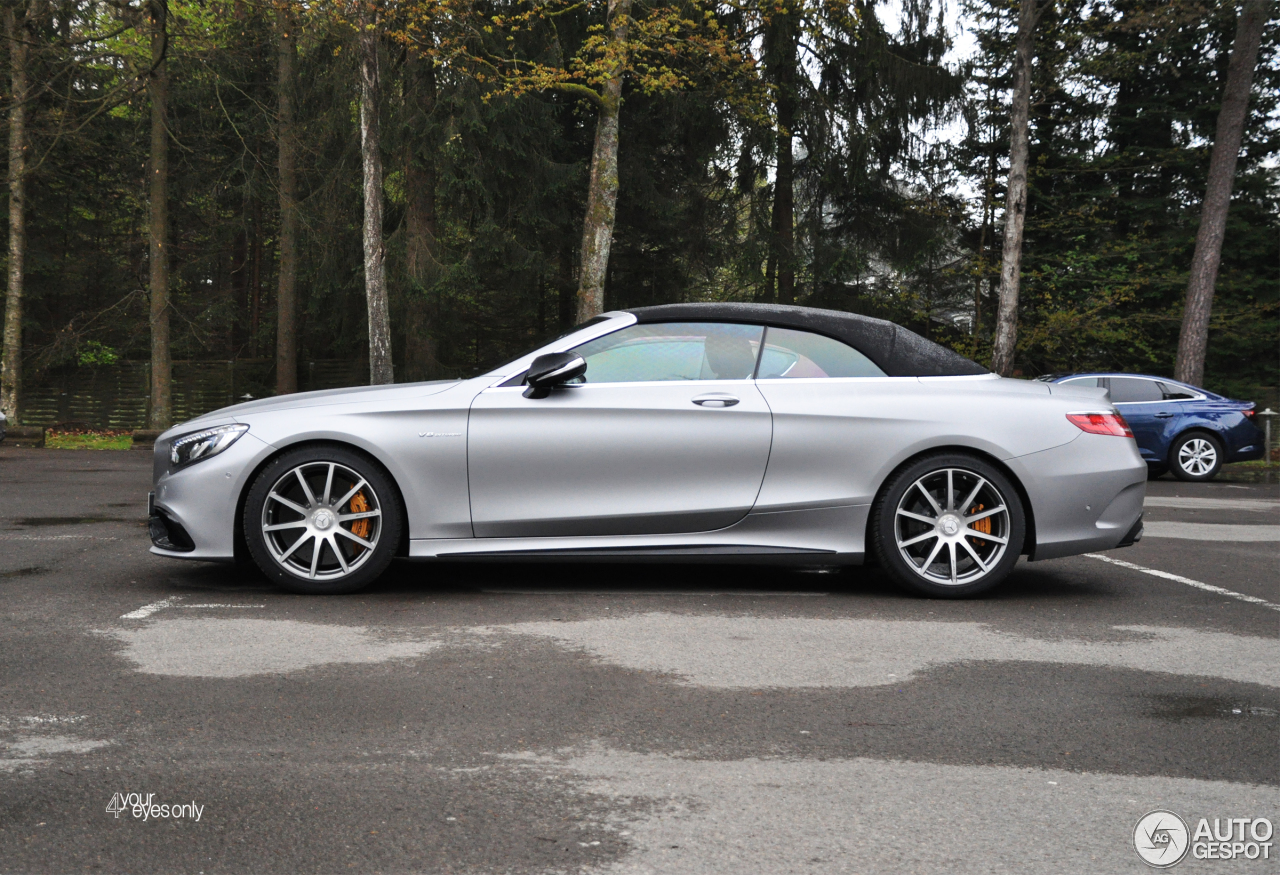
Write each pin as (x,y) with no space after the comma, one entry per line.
(625,719)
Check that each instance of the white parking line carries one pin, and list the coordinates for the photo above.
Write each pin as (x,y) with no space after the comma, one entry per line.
(661,592)
(147,610)
(220,606)
(1207,587)
(1210,532)
(1257,504)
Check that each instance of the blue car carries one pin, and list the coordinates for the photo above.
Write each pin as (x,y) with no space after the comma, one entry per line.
(1179,428)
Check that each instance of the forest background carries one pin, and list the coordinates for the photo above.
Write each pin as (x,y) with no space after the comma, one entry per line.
(831,154)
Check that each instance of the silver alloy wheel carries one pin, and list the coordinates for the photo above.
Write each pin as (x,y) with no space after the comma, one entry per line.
(952,526)
(1197,456)
(321,521)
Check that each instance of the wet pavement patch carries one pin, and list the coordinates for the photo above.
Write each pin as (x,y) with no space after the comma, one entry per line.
(1211,707)
(39,521)
(23,572)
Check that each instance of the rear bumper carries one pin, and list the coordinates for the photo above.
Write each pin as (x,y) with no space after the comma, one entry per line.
(1248,454)
(1133,536)
(1085,495)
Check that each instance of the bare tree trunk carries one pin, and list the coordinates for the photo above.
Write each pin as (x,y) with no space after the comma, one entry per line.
(255,272)
(602,196)
(1015,209)
(988,215)
(287,287)
(375,270)
(420,216)
(11,367)
(158,225)
(1194,339)
(782,51)
(565,292)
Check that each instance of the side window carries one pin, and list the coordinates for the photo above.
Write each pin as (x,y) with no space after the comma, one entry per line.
(792,355)
(1174,392)
(673,351)
(1090,382)
(1129,390)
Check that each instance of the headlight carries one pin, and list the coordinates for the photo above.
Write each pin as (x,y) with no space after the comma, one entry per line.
(200,445)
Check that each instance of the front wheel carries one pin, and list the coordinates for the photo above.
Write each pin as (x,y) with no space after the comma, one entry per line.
(1196,456)
(948,526)
(322,520)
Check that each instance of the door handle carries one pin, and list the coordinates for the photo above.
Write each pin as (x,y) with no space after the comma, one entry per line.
(715,400)
(1163,415)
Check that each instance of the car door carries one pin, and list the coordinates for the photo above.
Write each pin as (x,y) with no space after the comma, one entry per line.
(1141,401)
(666,433)
(836,417)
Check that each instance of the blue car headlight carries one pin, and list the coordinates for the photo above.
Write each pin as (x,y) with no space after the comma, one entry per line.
(200,445)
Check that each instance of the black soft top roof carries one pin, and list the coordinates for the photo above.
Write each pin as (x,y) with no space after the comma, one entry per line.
(897,351)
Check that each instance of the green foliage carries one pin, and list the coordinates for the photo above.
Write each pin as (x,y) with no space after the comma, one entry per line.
(93,354)
(91,440)
(1124,106)
(891,219)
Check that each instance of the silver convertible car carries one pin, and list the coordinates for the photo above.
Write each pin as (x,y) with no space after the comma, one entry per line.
(685,433)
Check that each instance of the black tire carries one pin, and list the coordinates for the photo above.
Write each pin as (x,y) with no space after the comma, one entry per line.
(339,564)
(1155,472)
(897,516)
(1195,456)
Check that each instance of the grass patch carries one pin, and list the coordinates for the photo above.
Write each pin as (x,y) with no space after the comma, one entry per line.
(88,440)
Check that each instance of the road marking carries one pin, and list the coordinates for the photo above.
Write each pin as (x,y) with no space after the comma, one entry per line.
(1210,532)
(220,606)
(1207,587)
(1256,504)
(663,592)
(147,610)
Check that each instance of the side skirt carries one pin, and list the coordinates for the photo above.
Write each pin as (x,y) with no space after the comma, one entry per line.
(822,536)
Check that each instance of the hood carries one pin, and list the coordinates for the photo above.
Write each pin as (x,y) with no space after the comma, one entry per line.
(347,395)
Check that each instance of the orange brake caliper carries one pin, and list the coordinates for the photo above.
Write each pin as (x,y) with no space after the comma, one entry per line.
(983,525)
(360,528)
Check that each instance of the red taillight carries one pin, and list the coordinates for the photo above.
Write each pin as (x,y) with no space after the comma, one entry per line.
(1101,423)
(1249,413)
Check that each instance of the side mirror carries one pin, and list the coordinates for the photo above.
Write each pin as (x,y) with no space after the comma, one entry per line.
(551,370)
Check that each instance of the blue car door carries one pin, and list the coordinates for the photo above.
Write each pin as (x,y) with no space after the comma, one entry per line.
(1142,403)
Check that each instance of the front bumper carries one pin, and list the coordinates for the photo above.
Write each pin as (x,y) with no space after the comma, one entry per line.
(193,509)
(166,534)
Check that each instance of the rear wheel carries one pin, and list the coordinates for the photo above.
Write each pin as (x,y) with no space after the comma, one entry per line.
(322,520)
(1196,456)
(948,526)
